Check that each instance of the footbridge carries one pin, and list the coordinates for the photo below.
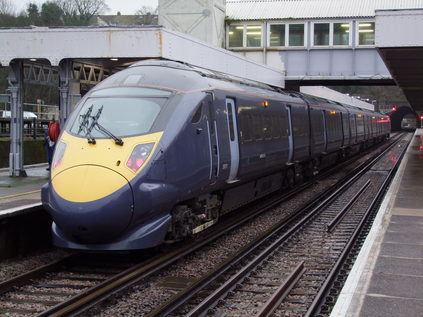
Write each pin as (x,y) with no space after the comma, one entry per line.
(318,42)
(73,56)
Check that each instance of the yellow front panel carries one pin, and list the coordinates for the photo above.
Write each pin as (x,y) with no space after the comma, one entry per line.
(105,154)
(87,183)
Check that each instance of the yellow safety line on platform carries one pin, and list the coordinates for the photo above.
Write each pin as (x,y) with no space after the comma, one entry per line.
(21,194)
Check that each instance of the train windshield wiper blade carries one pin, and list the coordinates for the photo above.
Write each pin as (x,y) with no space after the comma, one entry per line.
(102,129)
(85,117)
(84,125)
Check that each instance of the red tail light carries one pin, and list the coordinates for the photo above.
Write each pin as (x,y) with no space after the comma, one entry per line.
(139,156)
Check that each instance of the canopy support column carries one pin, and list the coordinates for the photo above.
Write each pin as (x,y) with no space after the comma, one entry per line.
(65,78)
(15,79)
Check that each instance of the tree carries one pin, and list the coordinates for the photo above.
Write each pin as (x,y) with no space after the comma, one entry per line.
(147,15)
(80,12)
(147,10)
(6,7)
(51,14)
(33,14)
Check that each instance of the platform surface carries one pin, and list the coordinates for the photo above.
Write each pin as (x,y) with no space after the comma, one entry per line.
(387,277)
(19,192)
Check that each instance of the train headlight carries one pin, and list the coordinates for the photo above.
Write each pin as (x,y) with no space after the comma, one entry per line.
(58,154)
(138,156)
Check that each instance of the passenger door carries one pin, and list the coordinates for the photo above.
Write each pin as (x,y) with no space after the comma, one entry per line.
(233,139)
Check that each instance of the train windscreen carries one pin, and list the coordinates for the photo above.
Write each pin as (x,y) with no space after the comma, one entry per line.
(123,111)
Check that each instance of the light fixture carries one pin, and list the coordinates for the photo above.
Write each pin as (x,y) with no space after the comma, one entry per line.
(114,59)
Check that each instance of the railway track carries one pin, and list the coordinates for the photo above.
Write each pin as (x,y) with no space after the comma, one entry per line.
(296,269)
(71,286)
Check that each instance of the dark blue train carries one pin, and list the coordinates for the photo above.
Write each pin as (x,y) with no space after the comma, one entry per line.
(161,150)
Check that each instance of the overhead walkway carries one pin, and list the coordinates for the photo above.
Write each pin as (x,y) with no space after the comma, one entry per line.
(110,48)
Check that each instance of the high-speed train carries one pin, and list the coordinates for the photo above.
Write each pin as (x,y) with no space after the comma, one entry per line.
(159,151)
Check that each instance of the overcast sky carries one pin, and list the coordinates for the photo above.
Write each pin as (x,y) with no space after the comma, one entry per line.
(124,6)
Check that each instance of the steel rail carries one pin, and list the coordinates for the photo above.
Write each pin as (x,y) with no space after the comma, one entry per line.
(277,298)
(133,275)
(319,299)
(181,298)
(212,300)
(35,273)
(330,226)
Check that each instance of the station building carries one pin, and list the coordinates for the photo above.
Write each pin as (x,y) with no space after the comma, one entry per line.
(315,41)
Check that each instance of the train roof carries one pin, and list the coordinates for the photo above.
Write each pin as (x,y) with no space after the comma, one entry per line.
(194,77)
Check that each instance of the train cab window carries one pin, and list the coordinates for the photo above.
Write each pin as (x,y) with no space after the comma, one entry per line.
(122,111)
(197,115)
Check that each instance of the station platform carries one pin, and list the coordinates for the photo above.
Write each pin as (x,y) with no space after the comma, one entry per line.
(20,192)
(387,277)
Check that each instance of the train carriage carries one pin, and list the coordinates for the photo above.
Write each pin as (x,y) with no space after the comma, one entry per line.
(160,151)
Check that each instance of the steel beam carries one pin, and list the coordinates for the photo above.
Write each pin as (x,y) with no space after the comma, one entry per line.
(16,123)
(40,74)
(65,80)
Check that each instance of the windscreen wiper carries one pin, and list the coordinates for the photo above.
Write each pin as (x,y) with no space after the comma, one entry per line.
(94,123)
(84,125)
(85,117)
(102,129)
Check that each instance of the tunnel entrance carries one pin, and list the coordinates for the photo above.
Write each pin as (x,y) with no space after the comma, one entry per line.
(403,116)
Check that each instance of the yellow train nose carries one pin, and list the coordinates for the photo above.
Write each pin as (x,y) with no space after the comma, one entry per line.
(91,204)
(87,183)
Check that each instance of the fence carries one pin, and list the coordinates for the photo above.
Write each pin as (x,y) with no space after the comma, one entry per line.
(36,119)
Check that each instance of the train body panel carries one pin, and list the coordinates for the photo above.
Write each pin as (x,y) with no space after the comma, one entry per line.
(161,150)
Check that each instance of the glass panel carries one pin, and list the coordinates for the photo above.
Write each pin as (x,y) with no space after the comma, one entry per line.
(231,121)
(130,92)
(121,116)
(366,33)
(253,35)
(296,35)
(235,35)
(321,34)
(277,35)
(341,33)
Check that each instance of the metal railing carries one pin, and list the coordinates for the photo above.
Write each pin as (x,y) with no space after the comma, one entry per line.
(35,121)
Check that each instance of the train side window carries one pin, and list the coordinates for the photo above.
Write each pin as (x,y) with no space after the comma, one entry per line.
(197,115)
(287,125)
(245,126)
(248,128)
(257,127)
(211,117)
(276,127)
(231,121)
(267,127)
